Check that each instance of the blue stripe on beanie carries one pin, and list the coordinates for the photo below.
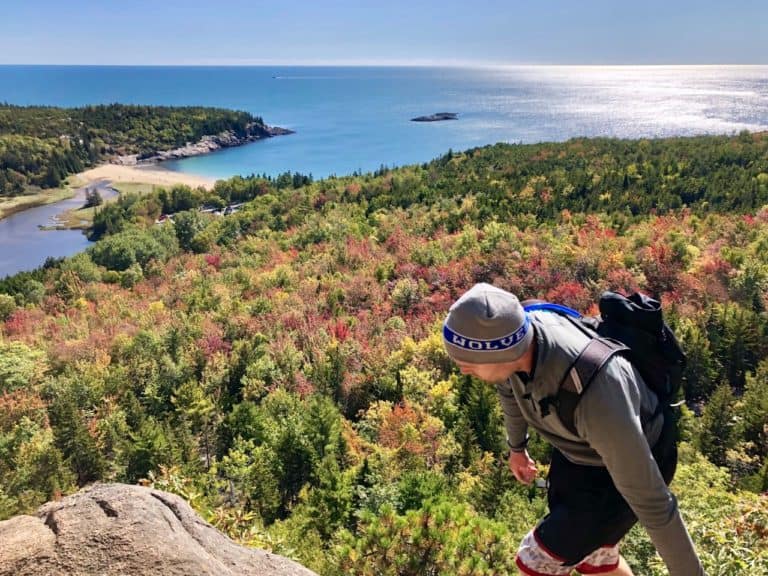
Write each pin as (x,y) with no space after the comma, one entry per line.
(492,345)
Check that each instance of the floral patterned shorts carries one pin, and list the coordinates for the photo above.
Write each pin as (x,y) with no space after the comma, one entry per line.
(534,559)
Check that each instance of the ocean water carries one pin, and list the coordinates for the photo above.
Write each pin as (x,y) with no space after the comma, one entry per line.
(356,119)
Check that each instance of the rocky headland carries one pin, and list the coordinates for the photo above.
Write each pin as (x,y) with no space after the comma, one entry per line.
(205,145)
(116,529)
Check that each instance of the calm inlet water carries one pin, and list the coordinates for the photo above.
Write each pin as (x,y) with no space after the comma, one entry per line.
(24,245)
(356,119)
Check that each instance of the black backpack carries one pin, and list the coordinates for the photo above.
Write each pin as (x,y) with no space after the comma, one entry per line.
(632,326)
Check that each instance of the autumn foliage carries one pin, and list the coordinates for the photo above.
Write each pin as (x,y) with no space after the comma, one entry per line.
(282,367)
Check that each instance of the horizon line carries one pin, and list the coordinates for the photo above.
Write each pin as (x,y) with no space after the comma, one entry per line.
(378,64)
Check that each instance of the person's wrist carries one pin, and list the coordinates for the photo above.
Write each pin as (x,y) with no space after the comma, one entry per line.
(518,448)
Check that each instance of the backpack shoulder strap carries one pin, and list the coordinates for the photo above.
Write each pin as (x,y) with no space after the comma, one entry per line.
(591,360)
(588,363)
(581,374)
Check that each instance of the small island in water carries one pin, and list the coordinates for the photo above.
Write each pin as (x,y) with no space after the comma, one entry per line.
(437,117)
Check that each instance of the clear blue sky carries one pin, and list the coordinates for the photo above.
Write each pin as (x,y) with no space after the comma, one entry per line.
(384,32)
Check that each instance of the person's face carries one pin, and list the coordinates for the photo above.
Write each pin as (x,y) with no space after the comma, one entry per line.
(493,373)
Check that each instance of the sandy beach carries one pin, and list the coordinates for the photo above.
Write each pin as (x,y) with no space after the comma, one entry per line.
(106,174)
(143,174)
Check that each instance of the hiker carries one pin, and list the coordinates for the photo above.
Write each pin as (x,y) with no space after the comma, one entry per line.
(611,468)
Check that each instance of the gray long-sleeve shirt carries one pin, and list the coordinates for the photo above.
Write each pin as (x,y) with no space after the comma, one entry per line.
(616,429)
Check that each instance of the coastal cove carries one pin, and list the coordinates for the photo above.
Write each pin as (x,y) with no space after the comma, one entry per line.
(35,233)
(30,236)
(41,148)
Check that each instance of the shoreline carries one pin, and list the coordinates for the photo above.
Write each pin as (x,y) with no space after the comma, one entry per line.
(113,177)
(151,174)
(9,207)
(205,145)
(133,170)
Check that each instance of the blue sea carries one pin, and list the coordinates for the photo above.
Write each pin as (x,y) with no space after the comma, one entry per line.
(351,119)
(356,119)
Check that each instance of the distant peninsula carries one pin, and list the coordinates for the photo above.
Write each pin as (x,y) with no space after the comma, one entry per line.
(40,145)
(206,144)
(437,117)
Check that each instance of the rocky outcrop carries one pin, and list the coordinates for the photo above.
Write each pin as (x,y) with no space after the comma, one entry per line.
(206,144)
(116,529)
(437,117)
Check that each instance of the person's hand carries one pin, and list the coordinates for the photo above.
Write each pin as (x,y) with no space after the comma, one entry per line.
(522,466)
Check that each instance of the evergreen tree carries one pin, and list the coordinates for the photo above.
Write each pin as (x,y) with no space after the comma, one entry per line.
(716,428)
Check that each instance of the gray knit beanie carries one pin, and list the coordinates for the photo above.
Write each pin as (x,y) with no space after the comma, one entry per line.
(487,325)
